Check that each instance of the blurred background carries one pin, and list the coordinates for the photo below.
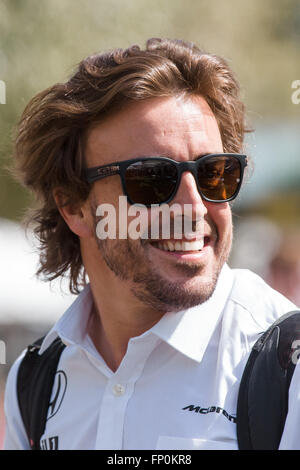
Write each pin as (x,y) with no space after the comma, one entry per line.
(41,42)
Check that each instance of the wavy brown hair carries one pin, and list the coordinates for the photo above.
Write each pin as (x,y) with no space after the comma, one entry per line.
(49,146)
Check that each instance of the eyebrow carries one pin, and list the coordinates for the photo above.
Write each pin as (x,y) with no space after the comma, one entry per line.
(114,166)
(202,154)
(206,153)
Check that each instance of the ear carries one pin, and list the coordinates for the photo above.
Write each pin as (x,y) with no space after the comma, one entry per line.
(76,215)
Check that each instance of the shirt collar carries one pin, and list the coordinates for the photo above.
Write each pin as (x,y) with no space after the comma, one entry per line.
(72,326)
(188,331)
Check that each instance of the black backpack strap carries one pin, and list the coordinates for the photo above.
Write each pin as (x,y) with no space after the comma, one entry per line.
(34,386)
(263,395)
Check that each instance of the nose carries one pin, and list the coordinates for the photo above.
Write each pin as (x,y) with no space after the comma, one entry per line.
(188,193)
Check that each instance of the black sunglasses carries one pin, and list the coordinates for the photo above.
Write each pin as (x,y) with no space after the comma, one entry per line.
(155,180)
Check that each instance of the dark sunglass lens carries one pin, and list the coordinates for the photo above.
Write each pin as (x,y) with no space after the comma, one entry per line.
(219,177)
(150,181)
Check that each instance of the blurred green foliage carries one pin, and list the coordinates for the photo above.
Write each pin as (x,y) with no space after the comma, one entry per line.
(41,41)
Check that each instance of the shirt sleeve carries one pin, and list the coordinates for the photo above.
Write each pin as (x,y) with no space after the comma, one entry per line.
(290,439)
(264,303)
(15,434)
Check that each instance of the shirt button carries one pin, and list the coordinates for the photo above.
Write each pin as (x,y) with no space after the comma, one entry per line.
(118,390)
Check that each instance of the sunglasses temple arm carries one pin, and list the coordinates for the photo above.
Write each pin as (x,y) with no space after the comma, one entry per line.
(98,173)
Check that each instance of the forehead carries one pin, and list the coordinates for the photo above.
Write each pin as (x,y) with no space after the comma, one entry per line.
(180,128)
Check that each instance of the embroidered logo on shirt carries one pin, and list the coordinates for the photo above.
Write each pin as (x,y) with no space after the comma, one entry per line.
(211,409)
(51,443)
(58,393)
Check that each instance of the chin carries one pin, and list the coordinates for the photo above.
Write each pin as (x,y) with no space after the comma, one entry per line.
(165,295)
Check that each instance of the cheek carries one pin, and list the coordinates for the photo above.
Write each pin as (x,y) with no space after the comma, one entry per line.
(137,222)
(108,190)
(104,199)
(221,216)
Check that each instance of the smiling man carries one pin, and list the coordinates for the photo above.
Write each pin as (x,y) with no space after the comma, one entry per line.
(155,345)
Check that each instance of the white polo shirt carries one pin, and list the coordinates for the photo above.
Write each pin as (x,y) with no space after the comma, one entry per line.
(176,387)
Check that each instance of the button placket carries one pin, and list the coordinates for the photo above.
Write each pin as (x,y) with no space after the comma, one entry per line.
(118,392)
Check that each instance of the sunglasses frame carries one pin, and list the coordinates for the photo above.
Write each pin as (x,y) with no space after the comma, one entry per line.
(119,168)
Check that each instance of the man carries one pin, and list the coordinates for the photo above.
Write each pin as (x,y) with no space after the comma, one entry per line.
(157,340)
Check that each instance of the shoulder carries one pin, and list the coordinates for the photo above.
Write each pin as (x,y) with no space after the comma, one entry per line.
(257,299)
(11,382)
(15,434)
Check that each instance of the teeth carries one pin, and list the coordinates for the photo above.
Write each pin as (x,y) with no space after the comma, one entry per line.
(170,246)
(181,246)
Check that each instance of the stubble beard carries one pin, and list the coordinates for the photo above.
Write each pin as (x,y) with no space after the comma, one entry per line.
(129,261)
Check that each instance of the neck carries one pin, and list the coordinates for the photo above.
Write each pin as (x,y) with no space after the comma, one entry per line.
(117,317)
